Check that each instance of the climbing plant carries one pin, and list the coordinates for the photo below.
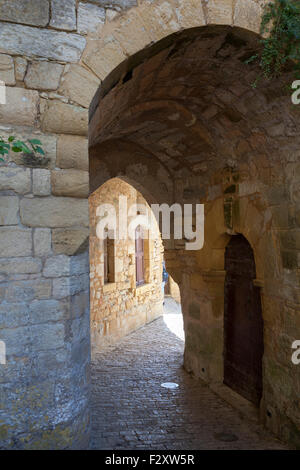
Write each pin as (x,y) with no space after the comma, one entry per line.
(31,146)
(280,27)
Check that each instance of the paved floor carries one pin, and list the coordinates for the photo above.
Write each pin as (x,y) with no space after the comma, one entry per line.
(132,411)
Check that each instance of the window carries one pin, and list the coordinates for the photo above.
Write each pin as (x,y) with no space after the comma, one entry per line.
(109,260)
(139,256)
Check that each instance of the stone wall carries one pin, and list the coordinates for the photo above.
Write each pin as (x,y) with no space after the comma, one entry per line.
(120,307)
(53,56)
(173,290)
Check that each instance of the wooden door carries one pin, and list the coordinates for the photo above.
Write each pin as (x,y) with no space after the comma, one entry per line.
(243,323)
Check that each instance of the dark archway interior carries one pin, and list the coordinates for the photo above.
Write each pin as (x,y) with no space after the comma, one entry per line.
(190,110)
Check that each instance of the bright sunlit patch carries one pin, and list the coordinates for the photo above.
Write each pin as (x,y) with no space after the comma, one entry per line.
(170,385)
(174,323)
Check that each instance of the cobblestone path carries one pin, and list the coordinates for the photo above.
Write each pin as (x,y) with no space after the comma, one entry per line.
(132,411)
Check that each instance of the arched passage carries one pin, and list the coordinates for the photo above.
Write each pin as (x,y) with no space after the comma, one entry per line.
(184,119)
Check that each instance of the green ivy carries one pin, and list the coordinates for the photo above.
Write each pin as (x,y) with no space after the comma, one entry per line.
(280,27)
(31,146)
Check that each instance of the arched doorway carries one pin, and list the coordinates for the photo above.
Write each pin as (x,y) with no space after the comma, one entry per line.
(243,323)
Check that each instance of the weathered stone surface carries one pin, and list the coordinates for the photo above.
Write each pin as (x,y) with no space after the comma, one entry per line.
(219,11)
(63,14)
(7,69)
(33,12)
(79,85)
(57,45)
(21,107)
(247,14)
(48,336)
(70,241)
(15,179)
(43,75)
(57,266)
(72,152)
(41,183)
(20,265)
(102,57)
(61,265)
(90,18)
(43,311)
(13,315)
(66,286)
(124,4)
(9,207)
(54,212)
(16,340)
(63,118)
(29,290)
(42,242)
(20,68)
(71,183)
(15,241)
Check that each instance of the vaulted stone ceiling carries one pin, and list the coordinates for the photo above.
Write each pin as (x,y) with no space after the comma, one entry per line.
(190,106)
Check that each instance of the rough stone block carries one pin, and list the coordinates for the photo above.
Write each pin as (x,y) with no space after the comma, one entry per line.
(72,152)
(63,14)
(103,57)
(71,183)
(41,183)
(42,242)
(70,241)
(21,106)
(32,12)
(90,18)
(54,212)
(15,241)
(13,315)
(190,13)
(29,290)
(219,11)
(20,265)
(43,75)
(61,265)
(247,14)
(62,118)
(57,266)
(9,207)
(79,85)
(68,286)
(15,179)
(7,69)
(17,340)
(48,336)
(20,68)
(56,45)
(43,311)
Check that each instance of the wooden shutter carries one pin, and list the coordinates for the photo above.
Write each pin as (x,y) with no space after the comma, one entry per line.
(139,256)
(105,252)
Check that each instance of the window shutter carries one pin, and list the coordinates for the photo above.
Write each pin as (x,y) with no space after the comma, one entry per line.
(139,256)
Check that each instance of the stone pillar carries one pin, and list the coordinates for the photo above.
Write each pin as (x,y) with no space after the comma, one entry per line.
(44,315)
(203,309)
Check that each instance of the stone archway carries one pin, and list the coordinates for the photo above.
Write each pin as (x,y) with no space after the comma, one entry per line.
(195,131)
(44,240)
